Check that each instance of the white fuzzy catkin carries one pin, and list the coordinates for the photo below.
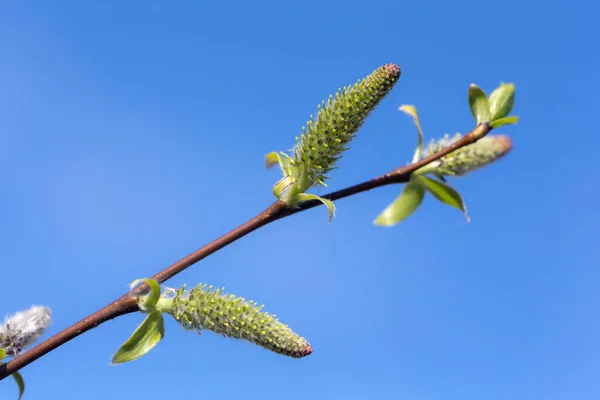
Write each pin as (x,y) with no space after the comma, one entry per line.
(23,328)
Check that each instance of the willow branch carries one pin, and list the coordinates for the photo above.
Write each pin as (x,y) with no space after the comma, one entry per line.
(128,303)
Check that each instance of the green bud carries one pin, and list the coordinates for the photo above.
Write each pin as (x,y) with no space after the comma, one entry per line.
(231,316)
(468,158)
(328,134)
(502,101)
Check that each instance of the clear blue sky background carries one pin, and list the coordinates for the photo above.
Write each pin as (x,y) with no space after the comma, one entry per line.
(134,132)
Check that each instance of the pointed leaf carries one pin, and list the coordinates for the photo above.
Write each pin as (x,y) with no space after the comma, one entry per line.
(279,158)
(147,303)
(20,383)
(145,337)
(2,354)
(412,111)
(274,158)
(502,101)
(283,185)
(444,193)
(271,159)
(504,121)
(328,203)
(404,205)
(479,104)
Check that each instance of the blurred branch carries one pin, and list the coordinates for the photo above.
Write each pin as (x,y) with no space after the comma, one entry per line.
(128,303)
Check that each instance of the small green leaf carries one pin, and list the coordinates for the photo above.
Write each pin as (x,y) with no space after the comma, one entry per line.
(504,121)
(283,185)
(502,101)
(147,303)
(412,111)
(20,383)
(271,159)
(479,104)
(328,203)
(404,205)
(444,193)
(2,354)
(282,159)
(145,337)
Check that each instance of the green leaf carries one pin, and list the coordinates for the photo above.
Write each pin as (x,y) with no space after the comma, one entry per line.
(328,203)
(145,337)
(502,101)
(20,383)
(282,159)
(504,121)
(479,104)
(2,354)
(271,159)
(444,193)
(283,185)
(412,111)
(404,205)
(147,303)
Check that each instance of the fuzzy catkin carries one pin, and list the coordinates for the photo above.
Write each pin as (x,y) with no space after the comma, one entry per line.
(468,158)
(23,328)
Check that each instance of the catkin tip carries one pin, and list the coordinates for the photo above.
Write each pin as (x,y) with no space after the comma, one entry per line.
(306,351)
(392,70)
(505,142)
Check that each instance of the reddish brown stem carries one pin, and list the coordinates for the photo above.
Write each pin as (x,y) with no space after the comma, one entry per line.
(128,304)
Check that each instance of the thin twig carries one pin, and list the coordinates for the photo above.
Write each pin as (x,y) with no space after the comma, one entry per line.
(128,304)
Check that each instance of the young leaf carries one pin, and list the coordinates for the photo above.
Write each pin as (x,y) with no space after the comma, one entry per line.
(283,186)
(145,337)
(404,205)
(444,193)
(147,303)
(328,203)
(20,383)
(504,121)
(272,158)
(480,106)
(2,354)
(412,111)
(275,158)
(502,101)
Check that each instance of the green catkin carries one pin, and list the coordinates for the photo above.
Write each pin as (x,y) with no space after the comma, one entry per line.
(327,135)
(234,317)
(467,158)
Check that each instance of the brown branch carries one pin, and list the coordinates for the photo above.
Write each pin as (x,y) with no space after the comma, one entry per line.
(128,304)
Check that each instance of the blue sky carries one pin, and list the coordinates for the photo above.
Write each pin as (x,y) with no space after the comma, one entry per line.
(132,133)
